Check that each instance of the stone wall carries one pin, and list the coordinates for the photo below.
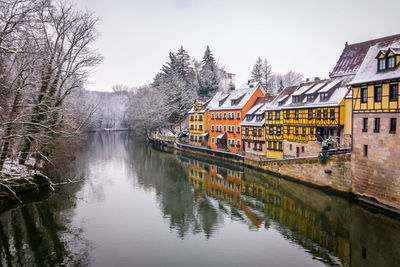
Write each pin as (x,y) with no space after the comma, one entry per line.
(334,174)
(248,146)
(311,148)
(376,175)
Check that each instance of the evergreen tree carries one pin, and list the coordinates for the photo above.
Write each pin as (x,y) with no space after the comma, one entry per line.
(209,75)
(257,73)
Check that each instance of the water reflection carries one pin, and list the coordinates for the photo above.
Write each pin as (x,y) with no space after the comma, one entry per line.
(332,229)
(142,207)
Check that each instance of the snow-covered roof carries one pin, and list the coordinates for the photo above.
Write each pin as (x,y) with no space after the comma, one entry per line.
(254,108)
(332,84)
(368,71)
(242,95)
(317,87)
(302,89)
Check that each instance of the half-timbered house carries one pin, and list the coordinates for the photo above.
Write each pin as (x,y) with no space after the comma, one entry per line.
(198,123)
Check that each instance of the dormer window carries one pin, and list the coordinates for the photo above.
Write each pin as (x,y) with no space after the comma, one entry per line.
(259,117)
(324,96)
(296,99)
(310,98)
(381,64)
(249,117)
(391,62)
(270,115)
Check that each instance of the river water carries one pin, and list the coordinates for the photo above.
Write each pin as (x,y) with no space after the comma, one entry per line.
(141,207)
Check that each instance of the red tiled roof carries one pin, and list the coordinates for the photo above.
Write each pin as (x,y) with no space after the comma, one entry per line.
(354,54)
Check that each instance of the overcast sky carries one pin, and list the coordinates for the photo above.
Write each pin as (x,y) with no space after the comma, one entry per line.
(305,36)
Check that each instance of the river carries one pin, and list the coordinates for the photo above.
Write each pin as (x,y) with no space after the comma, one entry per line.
(141,207)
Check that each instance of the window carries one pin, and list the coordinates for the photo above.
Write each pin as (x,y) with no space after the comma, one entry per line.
(224,128)
(191,126)
(319,114)
(270,115)
(238,142)
(365,125)
(393,92)
(287,114)
(365,150)
(378,93)
(277,115)
(192,118)
(290,147)
(280,146)
(259,117)
(377,125)
(212,140)
(288,130)
(238,116)
(310,98)
(302,149)
(195,127)
(296,130)
(323,96)
(381,64)
(332,114)
(296,99)
(278,130)
(248,144)
(238,129)
(310,114)
(393,124)
(270,145)
(224,115)
(200,117)
(274,145)
(200,127)
(247,131)
(391,62)
(325,114)
(304,131)
(296,114)
(311,131)
(259,132)
(364,95)
(271,130)
(254,132)
(212,115)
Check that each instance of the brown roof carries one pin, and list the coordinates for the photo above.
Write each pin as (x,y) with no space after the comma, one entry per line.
(354,54)
(286,91)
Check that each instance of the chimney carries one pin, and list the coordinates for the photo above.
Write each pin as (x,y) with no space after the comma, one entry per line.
(248,81)
(317,79)
(346,44)
(307,79)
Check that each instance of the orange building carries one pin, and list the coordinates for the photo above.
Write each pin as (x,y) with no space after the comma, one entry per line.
(226,111)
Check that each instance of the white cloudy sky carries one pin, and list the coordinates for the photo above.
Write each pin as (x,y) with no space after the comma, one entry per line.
(306,36)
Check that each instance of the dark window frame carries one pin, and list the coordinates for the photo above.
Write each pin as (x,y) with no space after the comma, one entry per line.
(377,125)
(381,67)
(378,93)
(364,95)
(394,62)
(393,92)
(365,125)
(393,125)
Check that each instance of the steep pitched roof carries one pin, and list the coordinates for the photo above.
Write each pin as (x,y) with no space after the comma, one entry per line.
(224,101)
(354,54)
(368,70)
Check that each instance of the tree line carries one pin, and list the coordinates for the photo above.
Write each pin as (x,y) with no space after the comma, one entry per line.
(46,56)
(165,102)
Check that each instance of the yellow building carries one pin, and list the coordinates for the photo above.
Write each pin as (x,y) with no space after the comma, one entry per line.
(315,111)
(274,127)
(376,115)
(198,123)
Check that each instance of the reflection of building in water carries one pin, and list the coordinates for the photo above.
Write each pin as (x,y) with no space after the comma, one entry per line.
(226,189)
(198,175)
(301,220)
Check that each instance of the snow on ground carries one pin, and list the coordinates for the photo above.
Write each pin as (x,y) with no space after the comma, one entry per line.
(12,169)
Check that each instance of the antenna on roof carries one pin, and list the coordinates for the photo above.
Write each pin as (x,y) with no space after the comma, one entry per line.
(346,44)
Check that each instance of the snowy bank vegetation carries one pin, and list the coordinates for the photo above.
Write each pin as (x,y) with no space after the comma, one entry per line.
(46,56)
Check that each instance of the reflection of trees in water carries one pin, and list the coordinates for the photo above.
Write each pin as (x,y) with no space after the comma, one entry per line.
(175,195)
(40,233)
